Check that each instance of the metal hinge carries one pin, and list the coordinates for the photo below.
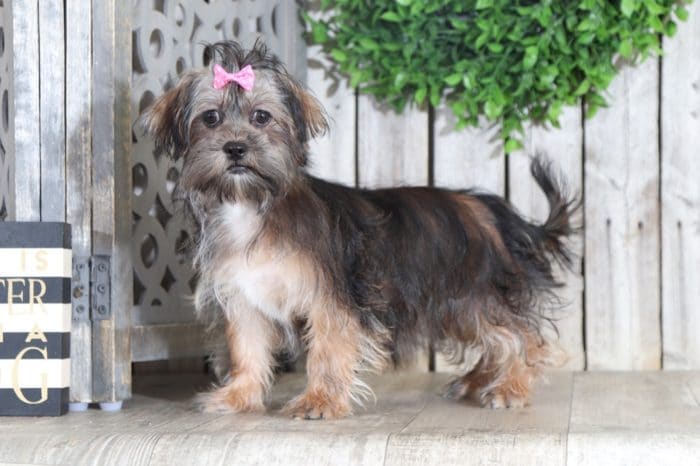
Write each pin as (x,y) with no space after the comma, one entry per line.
(90,295)
(80,293)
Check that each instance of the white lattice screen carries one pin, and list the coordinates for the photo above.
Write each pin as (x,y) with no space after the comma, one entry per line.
(6,117)
(169,37)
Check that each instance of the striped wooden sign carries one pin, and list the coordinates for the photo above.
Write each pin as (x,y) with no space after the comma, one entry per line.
(35,318)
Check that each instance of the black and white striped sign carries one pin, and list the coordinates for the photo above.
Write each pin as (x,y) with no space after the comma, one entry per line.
(35,318)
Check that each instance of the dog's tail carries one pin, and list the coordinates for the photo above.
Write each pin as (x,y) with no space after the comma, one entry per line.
(528,273)
(521,270)
(559,224)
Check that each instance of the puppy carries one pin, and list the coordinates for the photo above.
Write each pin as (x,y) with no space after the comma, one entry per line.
(362,278)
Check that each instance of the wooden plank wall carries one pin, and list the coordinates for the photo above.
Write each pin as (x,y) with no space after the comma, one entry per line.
(680,195)
(72,159)
(111,202)
(47,101)
(53,136)
(622,225)
(25,31)
(78,176)
(52,119)
(632,298)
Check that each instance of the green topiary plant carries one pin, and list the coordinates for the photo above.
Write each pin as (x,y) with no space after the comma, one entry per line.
(510,60)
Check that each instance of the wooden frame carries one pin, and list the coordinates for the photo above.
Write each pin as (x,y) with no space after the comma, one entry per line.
(72,137)
(111,187)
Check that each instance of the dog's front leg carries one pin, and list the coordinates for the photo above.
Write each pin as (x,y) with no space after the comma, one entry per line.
(333,338)
(252,338)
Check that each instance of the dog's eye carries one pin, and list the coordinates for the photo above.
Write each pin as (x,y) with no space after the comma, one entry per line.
(260,118)
(211,118)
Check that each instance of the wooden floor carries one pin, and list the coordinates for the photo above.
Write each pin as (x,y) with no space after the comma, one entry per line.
(584,418)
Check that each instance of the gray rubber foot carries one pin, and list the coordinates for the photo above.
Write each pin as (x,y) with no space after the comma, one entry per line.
(77,407)
(111,407)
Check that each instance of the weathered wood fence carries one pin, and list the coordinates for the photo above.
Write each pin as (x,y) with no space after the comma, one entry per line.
(634,297)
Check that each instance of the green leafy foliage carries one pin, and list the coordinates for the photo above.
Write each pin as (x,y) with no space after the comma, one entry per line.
(509,60)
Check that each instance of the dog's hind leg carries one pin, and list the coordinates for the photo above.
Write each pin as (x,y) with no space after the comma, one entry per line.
(511,361)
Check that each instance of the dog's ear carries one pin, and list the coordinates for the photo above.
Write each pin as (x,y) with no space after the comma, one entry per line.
(167,119)
(309,115)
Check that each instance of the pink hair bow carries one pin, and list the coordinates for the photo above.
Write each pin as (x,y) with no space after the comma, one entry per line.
(244,78)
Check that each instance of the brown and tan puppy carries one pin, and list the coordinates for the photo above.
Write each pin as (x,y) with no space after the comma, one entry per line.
(361,278)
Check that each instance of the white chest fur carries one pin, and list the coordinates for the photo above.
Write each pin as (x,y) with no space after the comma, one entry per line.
(245,272)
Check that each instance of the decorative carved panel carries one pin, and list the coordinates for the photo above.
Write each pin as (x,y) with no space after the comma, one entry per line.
(168,38)
(6,114)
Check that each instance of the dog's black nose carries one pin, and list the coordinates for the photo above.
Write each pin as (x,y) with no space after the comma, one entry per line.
(235,150)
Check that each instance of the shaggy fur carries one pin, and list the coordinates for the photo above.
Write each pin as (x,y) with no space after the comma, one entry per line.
(361,278)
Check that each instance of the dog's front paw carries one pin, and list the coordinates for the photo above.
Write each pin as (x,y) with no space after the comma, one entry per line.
(315,406)
(230,399)
(500,399)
